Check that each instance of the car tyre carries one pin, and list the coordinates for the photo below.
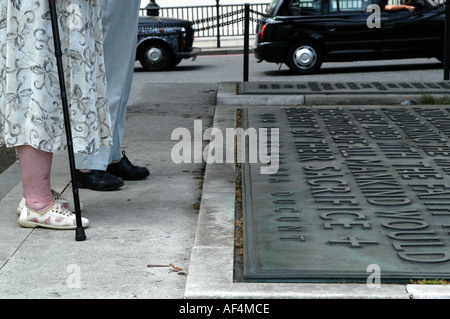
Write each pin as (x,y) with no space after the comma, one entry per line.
(156,56)
(304,58)
(177,61)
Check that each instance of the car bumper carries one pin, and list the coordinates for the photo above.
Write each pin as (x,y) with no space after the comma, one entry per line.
(270,52)
(189,54)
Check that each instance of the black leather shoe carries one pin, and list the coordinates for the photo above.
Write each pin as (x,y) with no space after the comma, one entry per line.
(98,180)
(126,170)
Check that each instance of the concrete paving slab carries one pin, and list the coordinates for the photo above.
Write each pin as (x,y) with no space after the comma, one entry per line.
(429,291)
(11,235)
(209,281)
(10,178)
(227,95)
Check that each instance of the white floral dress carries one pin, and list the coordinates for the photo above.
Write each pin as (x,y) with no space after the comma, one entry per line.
(30,101)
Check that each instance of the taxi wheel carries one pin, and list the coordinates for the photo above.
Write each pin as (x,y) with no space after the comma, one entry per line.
(177,61)
(304,58)
(156,57)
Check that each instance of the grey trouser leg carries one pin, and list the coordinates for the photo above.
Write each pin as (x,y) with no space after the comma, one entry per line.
(120,27)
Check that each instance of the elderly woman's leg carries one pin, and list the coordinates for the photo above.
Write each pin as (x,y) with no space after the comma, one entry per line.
(40,209)
(36,167)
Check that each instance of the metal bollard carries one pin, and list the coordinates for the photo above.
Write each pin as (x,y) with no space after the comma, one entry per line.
(246,39)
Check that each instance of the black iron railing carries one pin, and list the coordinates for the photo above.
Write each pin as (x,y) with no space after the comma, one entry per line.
(214,20)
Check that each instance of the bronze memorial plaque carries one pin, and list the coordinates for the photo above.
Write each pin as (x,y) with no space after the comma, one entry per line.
(356,189)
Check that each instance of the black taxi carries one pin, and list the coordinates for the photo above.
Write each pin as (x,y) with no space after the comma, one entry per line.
(305,33)
(163,42)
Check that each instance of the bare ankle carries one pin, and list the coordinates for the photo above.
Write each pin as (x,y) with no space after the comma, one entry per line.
(40,207)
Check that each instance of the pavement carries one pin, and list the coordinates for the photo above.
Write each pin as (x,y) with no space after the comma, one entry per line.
(170,236)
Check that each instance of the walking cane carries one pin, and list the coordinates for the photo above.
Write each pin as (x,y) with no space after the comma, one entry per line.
(79,232)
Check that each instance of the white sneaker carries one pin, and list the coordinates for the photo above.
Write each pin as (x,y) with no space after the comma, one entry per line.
(55,218)
(58,198)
